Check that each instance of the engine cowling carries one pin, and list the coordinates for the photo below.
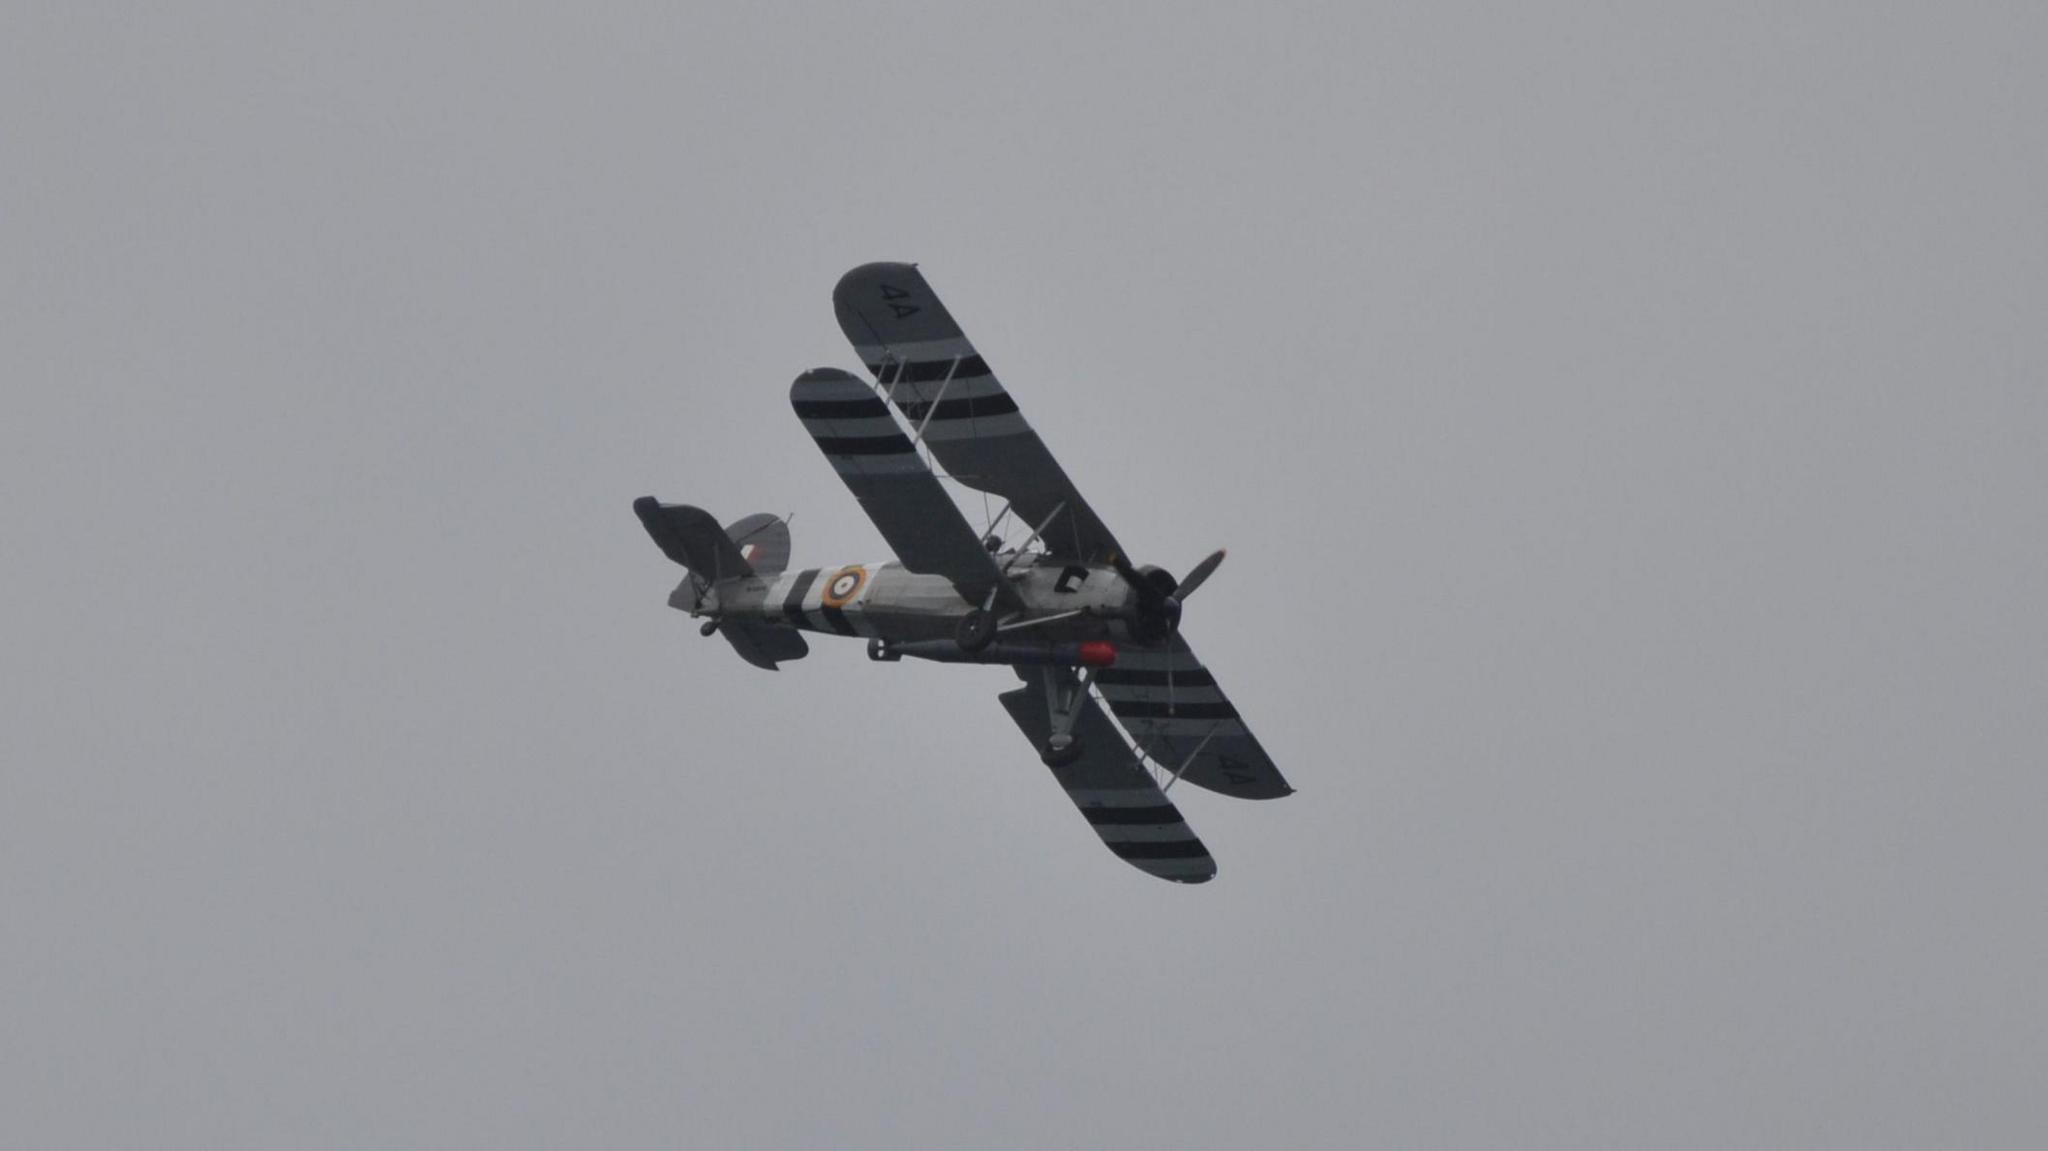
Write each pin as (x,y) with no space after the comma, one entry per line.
(1156,595)
(1155,612)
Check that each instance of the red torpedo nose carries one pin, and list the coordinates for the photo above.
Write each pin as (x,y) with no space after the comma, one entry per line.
(1097,653)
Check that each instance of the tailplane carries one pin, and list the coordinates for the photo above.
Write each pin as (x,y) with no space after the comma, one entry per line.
(693,539)
(764,646)
(755,545)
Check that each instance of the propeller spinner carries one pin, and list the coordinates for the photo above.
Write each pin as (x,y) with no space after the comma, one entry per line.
(1160,595)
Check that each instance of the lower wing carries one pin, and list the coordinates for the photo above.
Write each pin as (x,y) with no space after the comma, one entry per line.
(1179,717)
(1113,792)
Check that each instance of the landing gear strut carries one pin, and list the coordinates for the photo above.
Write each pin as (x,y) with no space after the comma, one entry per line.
(1065,694)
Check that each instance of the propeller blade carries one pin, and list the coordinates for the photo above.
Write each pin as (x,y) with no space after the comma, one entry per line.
(1202,571)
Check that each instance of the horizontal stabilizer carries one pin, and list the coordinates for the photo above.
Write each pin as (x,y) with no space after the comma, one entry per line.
(764,647)
(692,538)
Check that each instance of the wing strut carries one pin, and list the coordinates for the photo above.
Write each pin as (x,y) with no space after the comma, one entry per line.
(1189,761)
(1037,533)
(936,401)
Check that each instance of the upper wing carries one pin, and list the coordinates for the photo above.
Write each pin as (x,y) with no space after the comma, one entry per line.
(909,341)
(1193,718)
(892,482)
(1116,795)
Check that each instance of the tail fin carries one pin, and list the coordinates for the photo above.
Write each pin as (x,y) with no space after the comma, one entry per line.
(693,539)
(763,540)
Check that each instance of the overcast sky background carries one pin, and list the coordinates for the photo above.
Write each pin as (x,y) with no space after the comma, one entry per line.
(1626,422)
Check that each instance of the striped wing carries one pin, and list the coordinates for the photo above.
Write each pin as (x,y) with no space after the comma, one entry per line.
(894,485)
(1193,718)
(933,374)
(1115,794)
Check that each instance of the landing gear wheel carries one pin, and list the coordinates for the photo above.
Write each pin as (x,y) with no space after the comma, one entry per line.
(1061,756)
(977,631)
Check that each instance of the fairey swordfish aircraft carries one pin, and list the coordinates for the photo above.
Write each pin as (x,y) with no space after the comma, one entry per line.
(1064,608)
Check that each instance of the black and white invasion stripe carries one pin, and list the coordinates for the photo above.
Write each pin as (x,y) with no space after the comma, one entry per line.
(1142,828)
(852,425)
(946,388)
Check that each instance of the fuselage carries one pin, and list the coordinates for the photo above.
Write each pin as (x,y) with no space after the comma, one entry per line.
(1075,602)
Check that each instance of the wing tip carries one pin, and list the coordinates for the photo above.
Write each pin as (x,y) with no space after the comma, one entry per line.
(1173,868)
(868,273)
(889,302)
(879,268)
(829,383)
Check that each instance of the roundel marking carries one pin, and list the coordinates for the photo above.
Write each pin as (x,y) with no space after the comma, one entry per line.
(844,586)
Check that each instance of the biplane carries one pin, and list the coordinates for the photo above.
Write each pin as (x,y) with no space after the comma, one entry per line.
(1044,588)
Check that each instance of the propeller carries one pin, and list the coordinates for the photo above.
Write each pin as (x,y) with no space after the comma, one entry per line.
(1201,572)
(1160,597)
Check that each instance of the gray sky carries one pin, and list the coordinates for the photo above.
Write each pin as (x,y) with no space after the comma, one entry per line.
(1626,422)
